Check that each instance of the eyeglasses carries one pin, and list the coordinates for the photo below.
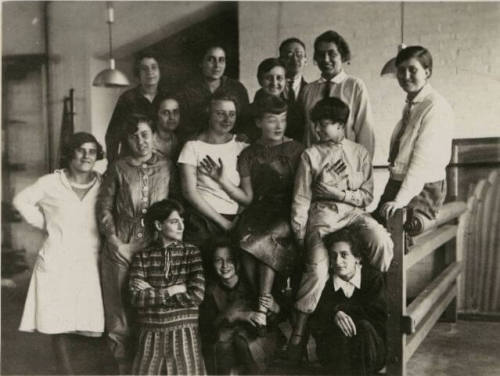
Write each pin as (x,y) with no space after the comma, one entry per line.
(297,54)
(223,114)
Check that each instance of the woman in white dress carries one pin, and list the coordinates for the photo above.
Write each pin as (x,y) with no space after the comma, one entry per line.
(64,296)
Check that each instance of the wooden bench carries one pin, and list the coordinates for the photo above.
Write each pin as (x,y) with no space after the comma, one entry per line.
(408,325)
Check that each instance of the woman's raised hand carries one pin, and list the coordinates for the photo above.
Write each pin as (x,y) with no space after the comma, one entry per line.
(210,168)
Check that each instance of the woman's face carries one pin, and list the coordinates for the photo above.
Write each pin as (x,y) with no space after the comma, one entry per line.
(171,228)
(213,64)
(222,116)
(168,115)
(84,157)
(273,81)
(149,71)
(141,142)
(412,76)
(272,126)
(328,58)
(342,261)
(329,130)
(224,264)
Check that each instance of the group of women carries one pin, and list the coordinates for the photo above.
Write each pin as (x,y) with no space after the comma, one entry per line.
(190,223)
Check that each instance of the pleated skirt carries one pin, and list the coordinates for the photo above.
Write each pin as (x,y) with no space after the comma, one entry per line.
(169,351)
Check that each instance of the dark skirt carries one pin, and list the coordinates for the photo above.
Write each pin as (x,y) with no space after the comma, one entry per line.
(201,231)
(264,231)
(173,351)
(363,354)
(239,346)
(422,207)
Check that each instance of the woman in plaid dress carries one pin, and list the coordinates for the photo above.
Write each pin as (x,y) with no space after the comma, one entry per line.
(166,287)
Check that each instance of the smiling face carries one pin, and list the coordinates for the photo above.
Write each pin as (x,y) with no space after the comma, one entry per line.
(342,261)
(141,142)
(273,81)
(171,228)
(168,115)
(293,55)
(224,264)
(149,72)
(412,76)
(328,58)
(329,130)
(272,126)
(84,158)
(222,116)
(213,64)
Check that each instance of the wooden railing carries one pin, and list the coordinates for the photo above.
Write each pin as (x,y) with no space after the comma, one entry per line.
(408,325)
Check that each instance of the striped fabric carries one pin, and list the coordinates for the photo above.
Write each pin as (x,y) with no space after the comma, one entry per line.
(169,352)
(179,263)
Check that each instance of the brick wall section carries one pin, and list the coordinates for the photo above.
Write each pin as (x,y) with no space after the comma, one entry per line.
(464,39)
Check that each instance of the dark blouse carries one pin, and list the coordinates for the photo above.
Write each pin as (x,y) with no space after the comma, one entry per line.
(130,102)
(367,303)
(195,98)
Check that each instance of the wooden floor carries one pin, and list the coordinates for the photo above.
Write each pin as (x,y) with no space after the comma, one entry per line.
(467,348)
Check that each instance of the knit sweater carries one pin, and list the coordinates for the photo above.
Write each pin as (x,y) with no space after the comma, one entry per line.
(178,263)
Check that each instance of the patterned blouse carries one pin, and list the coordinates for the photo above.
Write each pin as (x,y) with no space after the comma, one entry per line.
(178,263)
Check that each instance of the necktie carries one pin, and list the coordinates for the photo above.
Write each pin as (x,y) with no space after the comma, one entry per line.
(393,153)
(291,92)
(327,89)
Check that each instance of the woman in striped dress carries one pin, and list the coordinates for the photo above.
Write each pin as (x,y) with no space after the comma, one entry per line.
(166,286)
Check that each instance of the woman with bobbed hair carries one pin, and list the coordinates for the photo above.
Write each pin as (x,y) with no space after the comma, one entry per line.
(420,144)
(64,296)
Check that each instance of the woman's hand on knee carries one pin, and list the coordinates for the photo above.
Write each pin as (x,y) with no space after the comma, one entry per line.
(345,324)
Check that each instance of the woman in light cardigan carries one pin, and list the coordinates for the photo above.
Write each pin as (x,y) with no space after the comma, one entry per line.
(420,144)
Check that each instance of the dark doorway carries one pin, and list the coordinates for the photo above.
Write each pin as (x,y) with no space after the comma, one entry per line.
(179,54)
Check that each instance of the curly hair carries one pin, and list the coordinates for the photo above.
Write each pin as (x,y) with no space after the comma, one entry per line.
(347,235)
(331,36)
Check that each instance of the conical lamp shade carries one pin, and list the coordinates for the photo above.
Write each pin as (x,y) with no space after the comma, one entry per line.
(389,69)
(111,77)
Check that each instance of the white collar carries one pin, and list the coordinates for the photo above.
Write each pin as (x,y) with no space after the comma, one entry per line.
(424,92)
(336,79)
(348,286)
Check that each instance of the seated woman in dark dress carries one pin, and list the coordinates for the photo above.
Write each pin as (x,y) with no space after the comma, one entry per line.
(267,170)
(227,321)
(349,322)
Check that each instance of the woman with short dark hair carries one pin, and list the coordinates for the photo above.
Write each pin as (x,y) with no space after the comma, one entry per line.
(195,97)
(64,297)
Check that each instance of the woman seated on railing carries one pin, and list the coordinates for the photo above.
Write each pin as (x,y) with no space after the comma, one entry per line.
(349,322)
(420,145)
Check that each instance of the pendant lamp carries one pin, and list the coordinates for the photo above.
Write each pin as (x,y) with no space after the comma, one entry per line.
(389,69)
(111,77)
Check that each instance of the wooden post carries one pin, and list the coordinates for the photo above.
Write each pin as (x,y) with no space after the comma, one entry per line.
(396,287)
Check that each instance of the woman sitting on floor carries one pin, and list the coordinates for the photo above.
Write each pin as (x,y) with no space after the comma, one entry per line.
(227,321)
(349,322)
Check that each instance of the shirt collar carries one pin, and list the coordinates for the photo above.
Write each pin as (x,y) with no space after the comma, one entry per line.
(336,80)
(348,286)
(424,92)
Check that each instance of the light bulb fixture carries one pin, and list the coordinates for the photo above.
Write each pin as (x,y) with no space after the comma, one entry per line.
(389,69)
(111,77)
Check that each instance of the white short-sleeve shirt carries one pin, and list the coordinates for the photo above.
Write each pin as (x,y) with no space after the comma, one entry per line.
(193,153)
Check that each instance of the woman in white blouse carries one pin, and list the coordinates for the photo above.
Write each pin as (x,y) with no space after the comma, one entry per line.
(64,295)
(212,211)
(420,144)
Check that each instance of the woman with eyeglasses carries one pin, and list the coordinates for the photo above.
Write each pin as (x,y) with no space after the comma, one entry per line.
(213,211)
